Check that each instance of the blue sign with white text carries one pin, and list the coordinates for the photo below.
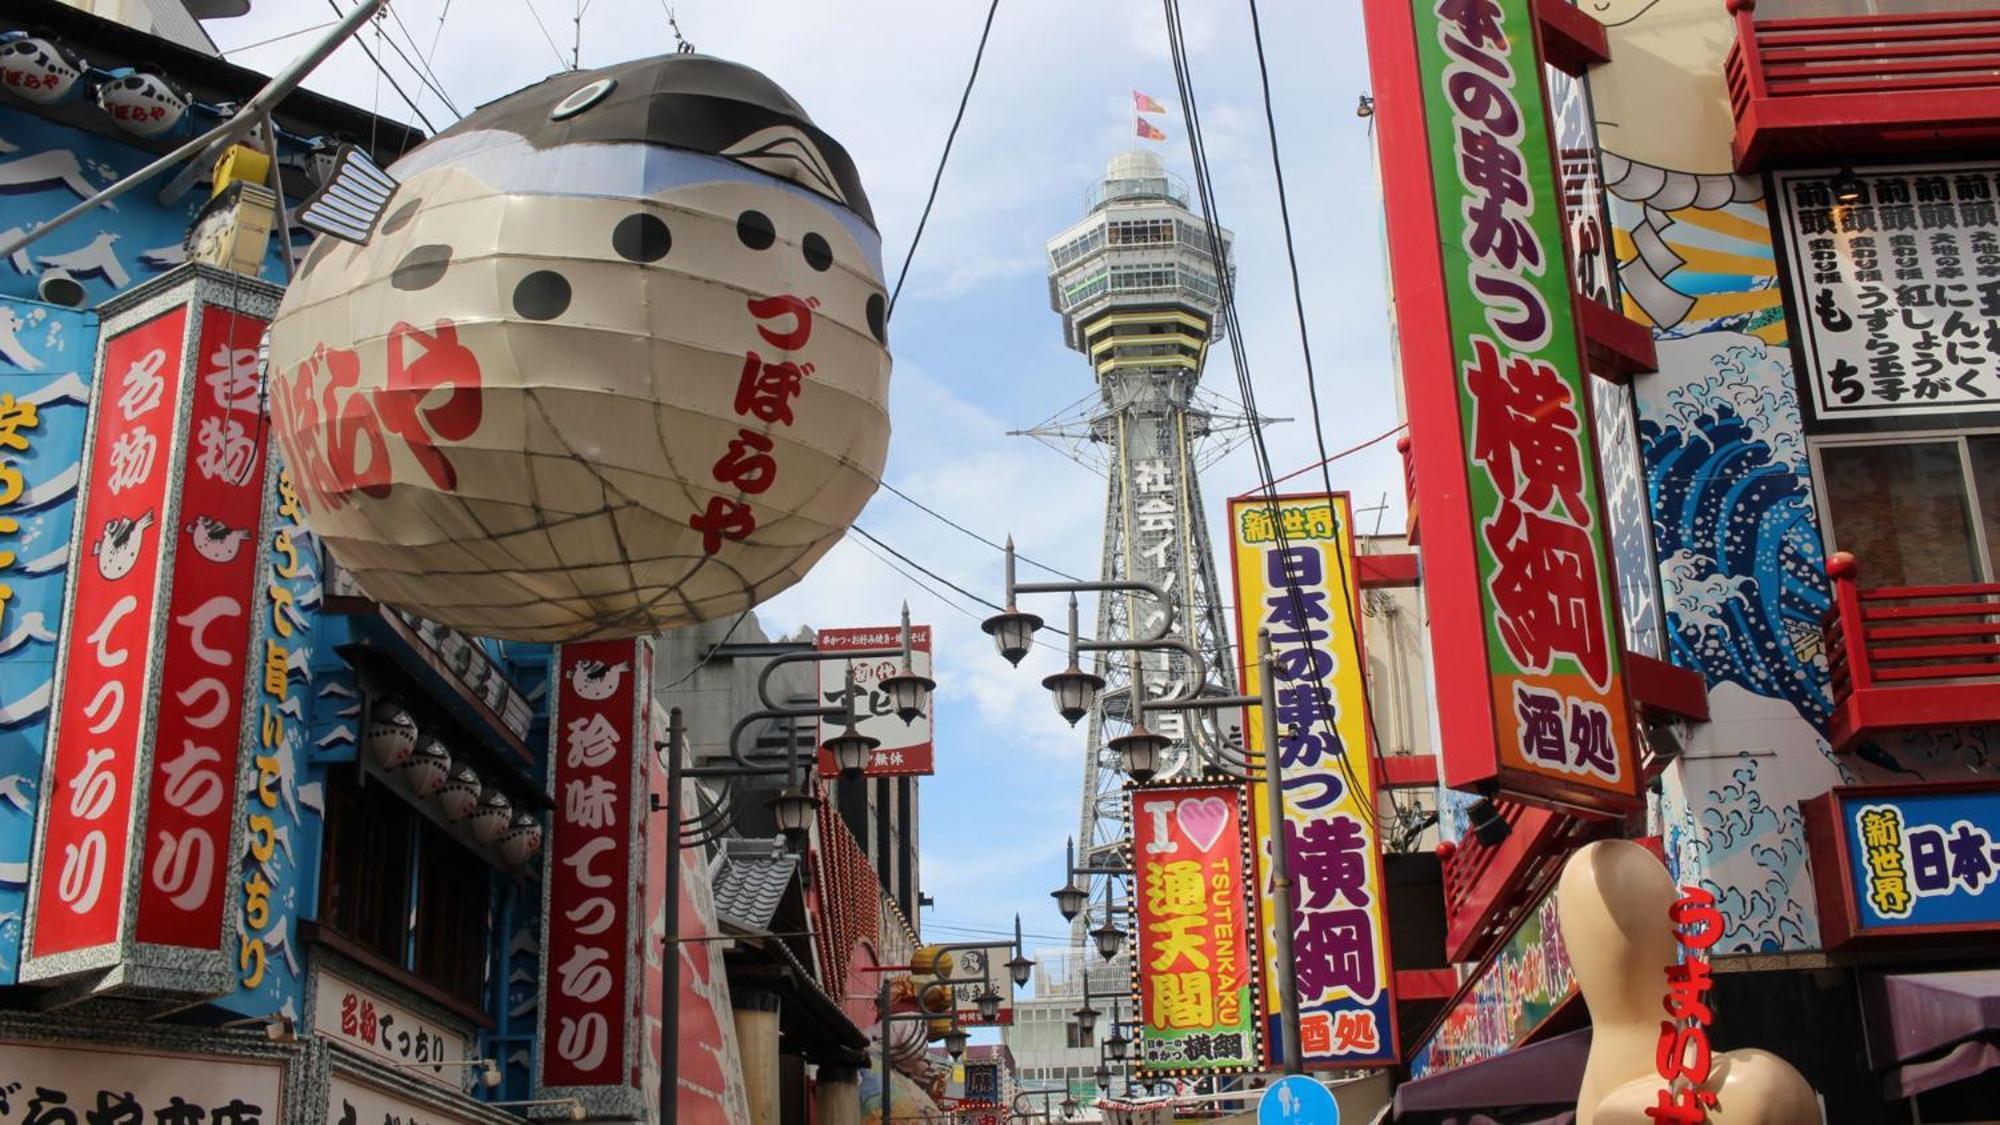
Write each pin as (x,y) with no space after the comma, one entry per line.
(1924,859)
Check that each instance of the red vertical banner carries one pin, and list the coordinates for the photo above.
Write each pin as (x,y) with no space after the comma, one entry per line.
(214,546)
(594,910)
(90,787)
(1195,969)
(137,832)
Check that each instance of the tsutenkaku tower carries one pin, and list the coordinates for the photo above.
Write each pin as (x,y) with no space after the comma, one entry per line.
(1136,285)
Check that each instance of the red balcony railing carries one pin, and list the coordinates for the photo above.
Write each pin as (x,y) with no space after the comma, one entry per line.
(1903,657)
(1487,887)
(1409,488)
(1862,85)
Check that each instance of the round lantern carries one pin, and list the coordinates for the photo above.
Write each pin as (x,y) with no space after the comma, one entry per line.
(140,102)
(459,793)
(522,839)
(37,69)
(491,817)
(611,359)
(390,737)
(428,768)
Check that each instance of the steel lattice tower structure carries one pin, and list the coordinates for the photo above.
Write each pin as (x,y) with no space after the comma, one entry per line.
(1136,285)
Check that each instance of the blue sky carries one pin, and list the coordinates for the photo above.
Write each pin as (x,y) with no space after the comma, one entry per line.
(977,351)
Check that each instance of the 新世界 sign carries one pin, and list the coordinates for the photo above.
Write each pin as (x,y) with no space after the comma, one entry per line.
(1294,572)
(1892,863)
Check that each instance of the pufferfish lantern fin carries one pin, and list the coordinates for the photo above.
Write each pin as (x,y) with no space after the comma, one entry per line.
(351,200)
(789,154)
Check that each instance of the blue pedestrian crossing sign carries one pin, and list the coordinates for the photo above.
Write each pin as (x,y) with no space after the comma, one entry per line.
(1297,1100)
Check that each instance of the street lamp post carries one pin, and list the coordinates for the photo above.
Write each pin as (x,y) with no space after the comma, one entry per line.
(792,808)
(955,1038)
(1013,631)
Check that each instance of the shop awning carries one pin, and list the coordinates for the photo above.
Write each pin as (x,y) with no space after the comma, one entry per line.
(1545,1075)
(1927,1030)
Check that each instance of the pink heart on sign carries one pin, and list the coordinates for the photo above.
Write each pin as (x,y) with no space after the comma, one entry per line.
(1202,820)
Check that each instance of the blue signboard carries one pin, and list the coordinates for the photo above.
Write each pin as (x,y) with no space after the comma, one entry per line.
(1297,1100)
(278,881)
(1925,859)
(45,169)
(46,359)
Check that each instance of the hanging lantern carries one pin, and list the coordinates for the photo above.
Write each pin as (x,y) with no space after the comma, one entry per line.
(428,767)
(459,794)
(139,101)
(390,737)
(604,358)
(522,839)
(491,817)
(37,69)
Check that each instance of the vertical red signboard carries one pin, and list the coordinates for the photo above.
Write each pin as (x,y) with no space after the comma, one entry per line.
(139,798)
(1195,970)
(593,909)
(1517,570)
(98,710)
(215,550)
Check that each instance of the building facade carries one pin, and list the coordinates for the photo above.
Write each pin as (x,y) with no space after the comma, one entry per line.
(1778,229)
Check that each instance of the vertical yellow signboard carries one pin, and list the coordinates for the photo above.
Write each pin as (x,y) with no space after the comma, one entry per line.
(1294,569)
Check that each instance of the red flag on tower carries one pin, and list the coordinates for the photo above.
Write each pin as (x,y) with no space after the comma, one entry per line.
(1148,132)
(1143,104)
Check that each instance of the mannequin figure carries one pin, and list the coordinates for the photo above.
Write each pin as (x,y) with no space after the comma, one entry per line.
(1612,901)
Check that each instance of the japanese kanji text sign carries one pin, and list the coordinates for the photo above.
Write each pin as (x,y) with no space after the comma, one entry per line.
(906,747)
(1301,588)
(1683,1059)
(1895,864)
(63,1085)
(1518,578)
(139,824)
(594,876)
(1195,968)
(370,1023)
(1897,292)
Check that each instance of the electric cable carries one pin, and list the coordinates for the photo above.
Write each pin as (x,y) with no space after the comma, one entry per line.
(944,156)
(1260,452)
(1312,386)
(383,71)
(959,527)
(423,72)
(560,61)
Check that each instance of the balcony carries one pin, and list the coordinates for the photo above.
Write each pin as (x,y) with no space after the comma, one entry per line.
(1831,88)
(1487,887)
(1904,657)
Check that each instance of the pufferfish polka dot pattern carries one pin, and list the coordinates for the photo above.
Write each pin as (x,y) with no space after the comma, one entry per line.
(589,388)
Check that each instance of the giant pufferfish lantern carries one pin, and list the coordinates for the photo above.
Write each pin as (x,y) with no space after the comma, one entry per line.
(605,357)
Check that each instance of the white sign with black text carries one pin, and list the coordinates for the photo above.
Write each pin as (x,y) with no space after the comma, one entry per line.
(1896,280)
(63,1084)
(347,1013)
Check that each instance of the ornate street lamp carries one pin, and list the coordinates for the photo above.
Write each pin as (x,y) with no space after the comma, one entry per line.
(1070,898)
(793,809)
(1139,749)
(1013,631)
(850,749)
(955,1039)
(1086,1016)
(988,1003)
(909,692)
(1110,936)
(1074,689)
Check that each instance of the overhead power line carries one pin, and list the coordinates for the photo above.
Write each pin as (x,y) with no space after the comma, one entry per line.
(959,527)
(383,71)
(943,156)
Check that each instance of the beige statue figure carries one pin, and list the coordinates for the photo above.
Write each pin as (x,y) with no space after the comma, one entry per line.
(1612,901)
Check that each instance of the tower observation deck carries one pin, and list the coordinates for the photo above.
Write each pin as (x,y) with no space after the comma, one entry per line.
(1137,288)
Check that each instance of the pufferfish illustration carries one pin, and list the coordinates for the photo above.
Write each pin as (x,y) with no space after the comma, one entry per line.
(609,356)
(141,102)
(594,679)
(117,546)
(37,69)
(214,540)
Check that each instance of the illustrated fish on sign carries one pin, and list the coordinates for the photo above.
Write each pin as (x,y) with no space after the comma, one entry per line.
(595,680)
(117,546)
(37,69)
(613,350)
(216,541)
(141,102)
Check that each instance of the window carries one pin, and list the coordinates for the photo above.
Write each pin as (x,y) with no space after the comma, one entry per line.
(1921,511)
(401,888)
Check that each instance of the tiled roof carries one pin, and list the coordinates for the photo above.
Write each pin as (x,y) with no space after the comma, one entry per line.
(750,882)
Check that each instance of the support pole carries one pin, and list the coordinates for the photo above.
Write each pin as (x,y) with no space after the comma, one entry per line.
(1287,983)
(887,1116)
(670,966)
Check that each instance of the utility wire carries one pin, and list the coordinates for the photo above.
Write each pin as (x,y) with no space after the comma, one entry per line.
(863,532)
(423,71)
(1312,384)
(956,526)
(944,156)
(1239,359)
(277,38)
(932,590)
(560,61)
(382,70)
(1348,452)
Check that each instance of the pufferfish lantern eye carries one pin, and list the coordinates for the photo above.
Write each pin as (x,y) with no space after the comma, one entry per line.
(583,99)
